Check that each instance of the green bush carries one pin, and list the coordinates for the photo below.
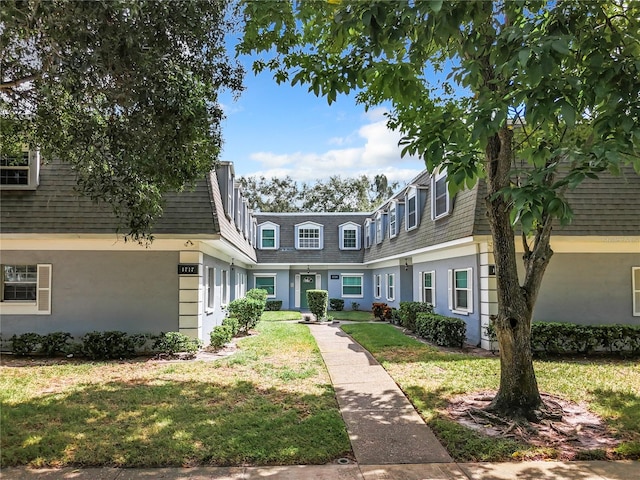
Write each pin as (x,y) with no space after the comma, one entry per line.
(111,345)
(220,336)
(555,338)
(441,330)
(55,343)
(336,304)
(395,316)
(26,344)
(318,300)
(176,342)
(355,306)
(257,294)
(247,311)
(233,324)
(409,312)
(273,305)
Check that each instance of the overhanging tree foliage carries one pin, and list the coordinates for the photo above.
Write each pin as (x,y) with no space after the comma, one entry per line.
(541,95)
(124,90)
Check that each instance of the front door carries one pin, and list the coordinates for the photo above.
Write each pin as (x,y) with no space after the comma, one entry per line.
(307,282)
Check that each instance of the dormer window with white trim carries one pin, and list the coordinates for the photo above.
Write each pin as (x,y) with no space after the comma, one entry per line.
(367,233)
(440,200)
(411,208)
(379,227)
(393,220)
(269,234)
(349,236)
(21,171)
(309,236)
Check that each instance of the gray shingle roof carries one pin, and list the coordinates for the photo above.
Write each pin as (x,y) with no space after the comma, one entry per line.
(55,207)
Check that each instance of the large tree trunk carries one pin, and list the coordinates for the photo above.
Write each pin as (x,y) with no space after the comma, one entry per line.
(518,395)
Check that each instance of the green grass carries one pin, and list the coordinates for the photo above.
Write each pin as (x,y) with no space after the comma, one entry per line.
(280,316)
(271,403)
(352,315)
(430,377)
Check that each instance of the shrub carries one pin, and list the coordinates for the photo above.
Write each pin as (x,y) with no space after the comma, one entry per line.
(26,344)
(257,294)
(441,330)
(55,343)
(355,306)
(336,304)
(273,305)
(233,324)
(318,301)
(409,311)
(247,311)
(110,345)
(176,342)
(381,311)
(221,335)
(395,316)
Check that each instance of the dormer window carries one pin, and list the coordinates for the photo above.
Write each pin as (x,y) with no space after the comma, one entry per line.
(393,220)
(367,233)
(379,227)
(309,236)
(269,234)
(349,236)
(411,209)
(440,201)
(20,172)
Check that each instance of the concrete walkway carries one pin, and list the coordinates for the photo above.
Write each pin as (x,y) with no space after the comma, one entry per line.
(389,439)
(383,426)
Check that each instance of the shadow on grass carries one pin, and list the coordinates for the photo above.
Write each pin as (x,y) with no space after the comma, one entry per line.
(625,407)
(173,423)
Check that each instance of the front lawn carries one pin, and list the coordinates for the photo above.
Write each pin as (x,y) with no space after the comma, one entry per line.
(430,377)
(280,316)
(270,403)
(352,315)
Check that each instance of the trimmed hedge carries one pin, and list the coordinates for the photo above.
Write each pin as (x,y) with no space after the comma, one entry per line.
(221,335)
(273,305)
(555,338)
(336,304)
(318,301)
(176,342)
(409,312)
(441,330)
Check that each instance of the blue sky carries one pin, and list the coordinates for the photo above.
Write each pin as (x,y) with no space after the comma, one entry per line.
(278,130)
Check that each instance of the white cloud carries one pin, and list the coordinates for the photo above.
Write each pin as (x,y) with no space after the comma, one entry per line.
(376,152)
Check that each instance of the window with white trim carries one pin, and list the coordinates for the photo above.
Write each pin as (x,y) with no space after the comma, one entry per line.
(411,209)
(269,236)
(377,286)
(367,233)
(440,201)
(428,287)
(266,282)
(210,287)
(393,222)
(25,289)
(352,286)
(635,280)
(349,236)
(379,228)
(461,291)
(309,236)
(391,287)
(21,171)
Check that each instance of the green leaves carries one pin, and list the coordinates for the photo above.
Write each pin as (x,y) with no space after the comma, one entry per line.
(124,91)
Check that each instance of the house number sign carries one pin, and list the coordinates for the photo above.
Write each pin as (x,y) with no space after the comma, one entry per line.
(188,269)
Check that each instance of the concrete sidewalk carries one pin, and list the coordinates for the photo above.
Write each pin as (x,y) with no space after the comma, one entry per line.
(389,439)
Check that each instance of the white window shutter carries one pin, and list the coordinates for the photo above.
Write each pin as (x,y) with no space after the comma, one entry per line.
(433,288)
(421,286)
(318,281)
(450,292)
(44,289)
(470,289)
(297,290)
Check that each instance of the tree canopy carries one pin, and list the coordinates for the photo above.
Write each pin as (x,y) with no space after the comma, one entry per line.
(336,194)
(530,96)
(124,90)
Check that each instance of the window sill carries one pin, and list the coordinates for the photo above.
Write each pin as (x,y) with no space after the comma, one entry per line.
(460,312)
(18,308)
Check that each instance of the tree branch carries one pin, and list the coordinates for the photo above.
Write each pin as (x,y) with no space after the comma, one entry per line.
(16,83)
